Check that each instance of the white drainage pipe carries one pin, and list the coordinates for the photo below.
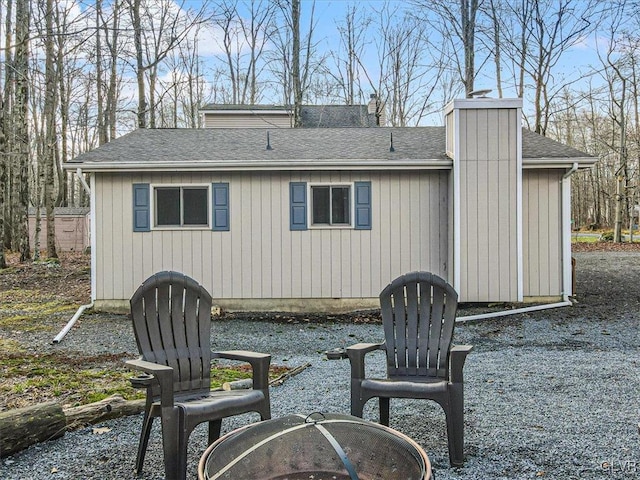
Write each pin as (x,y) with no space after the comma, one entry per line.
(71,322)
(515,311)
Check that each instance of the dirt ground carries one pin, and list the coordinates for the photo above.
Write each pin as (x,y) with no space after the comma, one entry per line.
(38,298)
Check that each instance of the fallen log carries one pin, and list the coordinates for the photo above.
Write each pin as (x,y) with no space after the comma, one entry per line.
(112,407)
(288,374)
(22,427)
(247,383)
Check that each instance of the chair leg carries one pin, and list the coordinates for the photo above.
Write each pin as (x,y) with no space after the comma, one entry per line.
(173,445)
(384,410)
(357,405)
(147,423)
(215,426)
(455,425)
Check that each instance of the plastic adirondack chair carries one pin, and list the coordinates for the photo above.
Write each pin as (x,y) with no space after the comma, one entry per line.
(171,316)
(418,315)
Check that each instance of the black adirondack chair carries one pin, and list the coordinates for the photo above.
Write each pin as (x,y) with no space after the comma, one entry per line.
(171,316)
(418,315)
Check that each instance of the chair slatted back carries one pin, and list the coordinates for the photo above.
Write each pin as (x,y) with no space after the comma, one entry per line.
(418,314)
(171,316)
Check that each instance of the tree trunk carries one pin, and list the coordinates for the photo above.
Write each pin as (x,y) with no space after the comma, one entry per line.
(295,68)
(50,143)
(23,20)
(3,182)
(137,40)
(23,427)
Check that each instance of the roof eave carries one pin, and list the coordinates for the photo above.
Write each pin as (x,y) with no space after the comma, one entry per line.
(563,162)
(243,165)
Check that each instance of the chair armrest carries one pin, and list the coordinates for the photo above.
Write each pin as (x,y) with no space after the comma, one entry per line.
(162,373)
(356,355)
(259,364)
(457,356)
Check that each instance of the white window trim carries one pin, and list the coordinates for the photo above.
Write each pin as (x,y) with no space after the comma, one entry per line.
(352,206)
(152,206)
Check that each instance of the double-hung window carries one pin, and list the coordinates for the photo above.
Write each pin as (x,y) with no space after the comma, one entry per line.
(331,205)
(324,205)
(177,206)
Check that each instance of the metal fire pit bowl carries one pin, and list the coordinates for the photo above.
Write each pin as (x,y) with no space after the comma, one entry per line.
(318,447)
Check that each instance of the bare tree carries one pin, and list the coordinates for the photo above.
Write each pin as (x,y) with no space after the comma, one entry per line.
(50,132)
(295,59)
(456,22)
(158,27)
(410,70)
(352,30)
(21,119)
(547,29)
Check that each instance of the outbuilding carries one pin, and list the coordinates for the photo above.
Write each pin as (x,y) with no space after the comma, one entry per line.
(322,219)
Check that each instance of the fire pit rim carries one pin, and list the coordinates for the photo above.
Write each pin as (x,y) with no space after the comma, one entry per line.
(356,420)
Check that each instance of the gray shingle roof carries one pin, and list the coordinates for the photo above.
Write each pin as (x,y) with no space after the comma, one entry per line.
(334,146)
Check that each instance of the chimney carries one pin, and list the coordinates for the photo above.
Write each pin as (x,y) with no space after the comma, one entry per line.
(483,138)
(375,109)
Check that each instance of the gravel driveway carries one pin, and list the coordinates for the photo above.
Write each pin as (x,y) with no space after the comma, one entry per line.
(549,394)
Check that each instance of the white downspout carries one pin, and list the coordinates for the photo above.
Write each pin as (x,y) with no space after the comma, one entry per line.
(566,233)
(92,223)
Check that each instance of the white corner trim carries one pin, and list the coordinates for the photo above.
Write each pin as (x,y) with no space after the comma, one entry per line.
(481,103)
(519,207)
(457,268)
(93,240)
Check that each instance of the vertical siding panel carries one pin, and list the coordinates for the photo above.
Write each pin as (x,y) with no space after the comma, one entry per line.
(265,239)
(470,258)
(246,268)
(543,233)
(236,207)
(100,195)
(527,225)
(287,238)
(124,231)
(302,276)
(116,261)
(505,237)
(370,243)
(391,246)
(146,239)
(278,227)
(494,193)
(415,221)
(255,233)
(534,239)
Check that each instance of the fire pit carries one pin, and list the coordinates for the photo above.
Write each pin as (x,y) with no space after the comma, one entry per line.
(318,447)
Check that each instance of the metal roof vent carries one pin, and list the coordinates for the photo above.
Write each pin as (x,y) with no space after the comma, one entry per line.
(319,446)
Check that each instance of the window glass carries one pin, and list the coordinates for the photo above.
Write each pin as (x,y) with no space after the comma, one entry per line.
(331,205)
(168,206)
(340,205)
(321,205)
(195,206)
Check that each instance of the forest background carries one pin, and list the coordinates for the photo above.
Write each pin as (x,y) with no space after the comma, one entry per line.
(75,74)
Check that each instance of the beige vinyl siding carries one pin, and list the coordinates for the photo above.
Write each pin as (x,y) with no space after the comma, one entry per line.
(260,257)
(247,120)
(488,190)
(542,227)
(450,139)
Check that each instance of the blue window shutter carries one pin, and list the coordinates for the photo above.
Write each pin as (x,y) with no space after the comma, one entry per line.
(220,195)
(141,208)
(363,205)
(298,206)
